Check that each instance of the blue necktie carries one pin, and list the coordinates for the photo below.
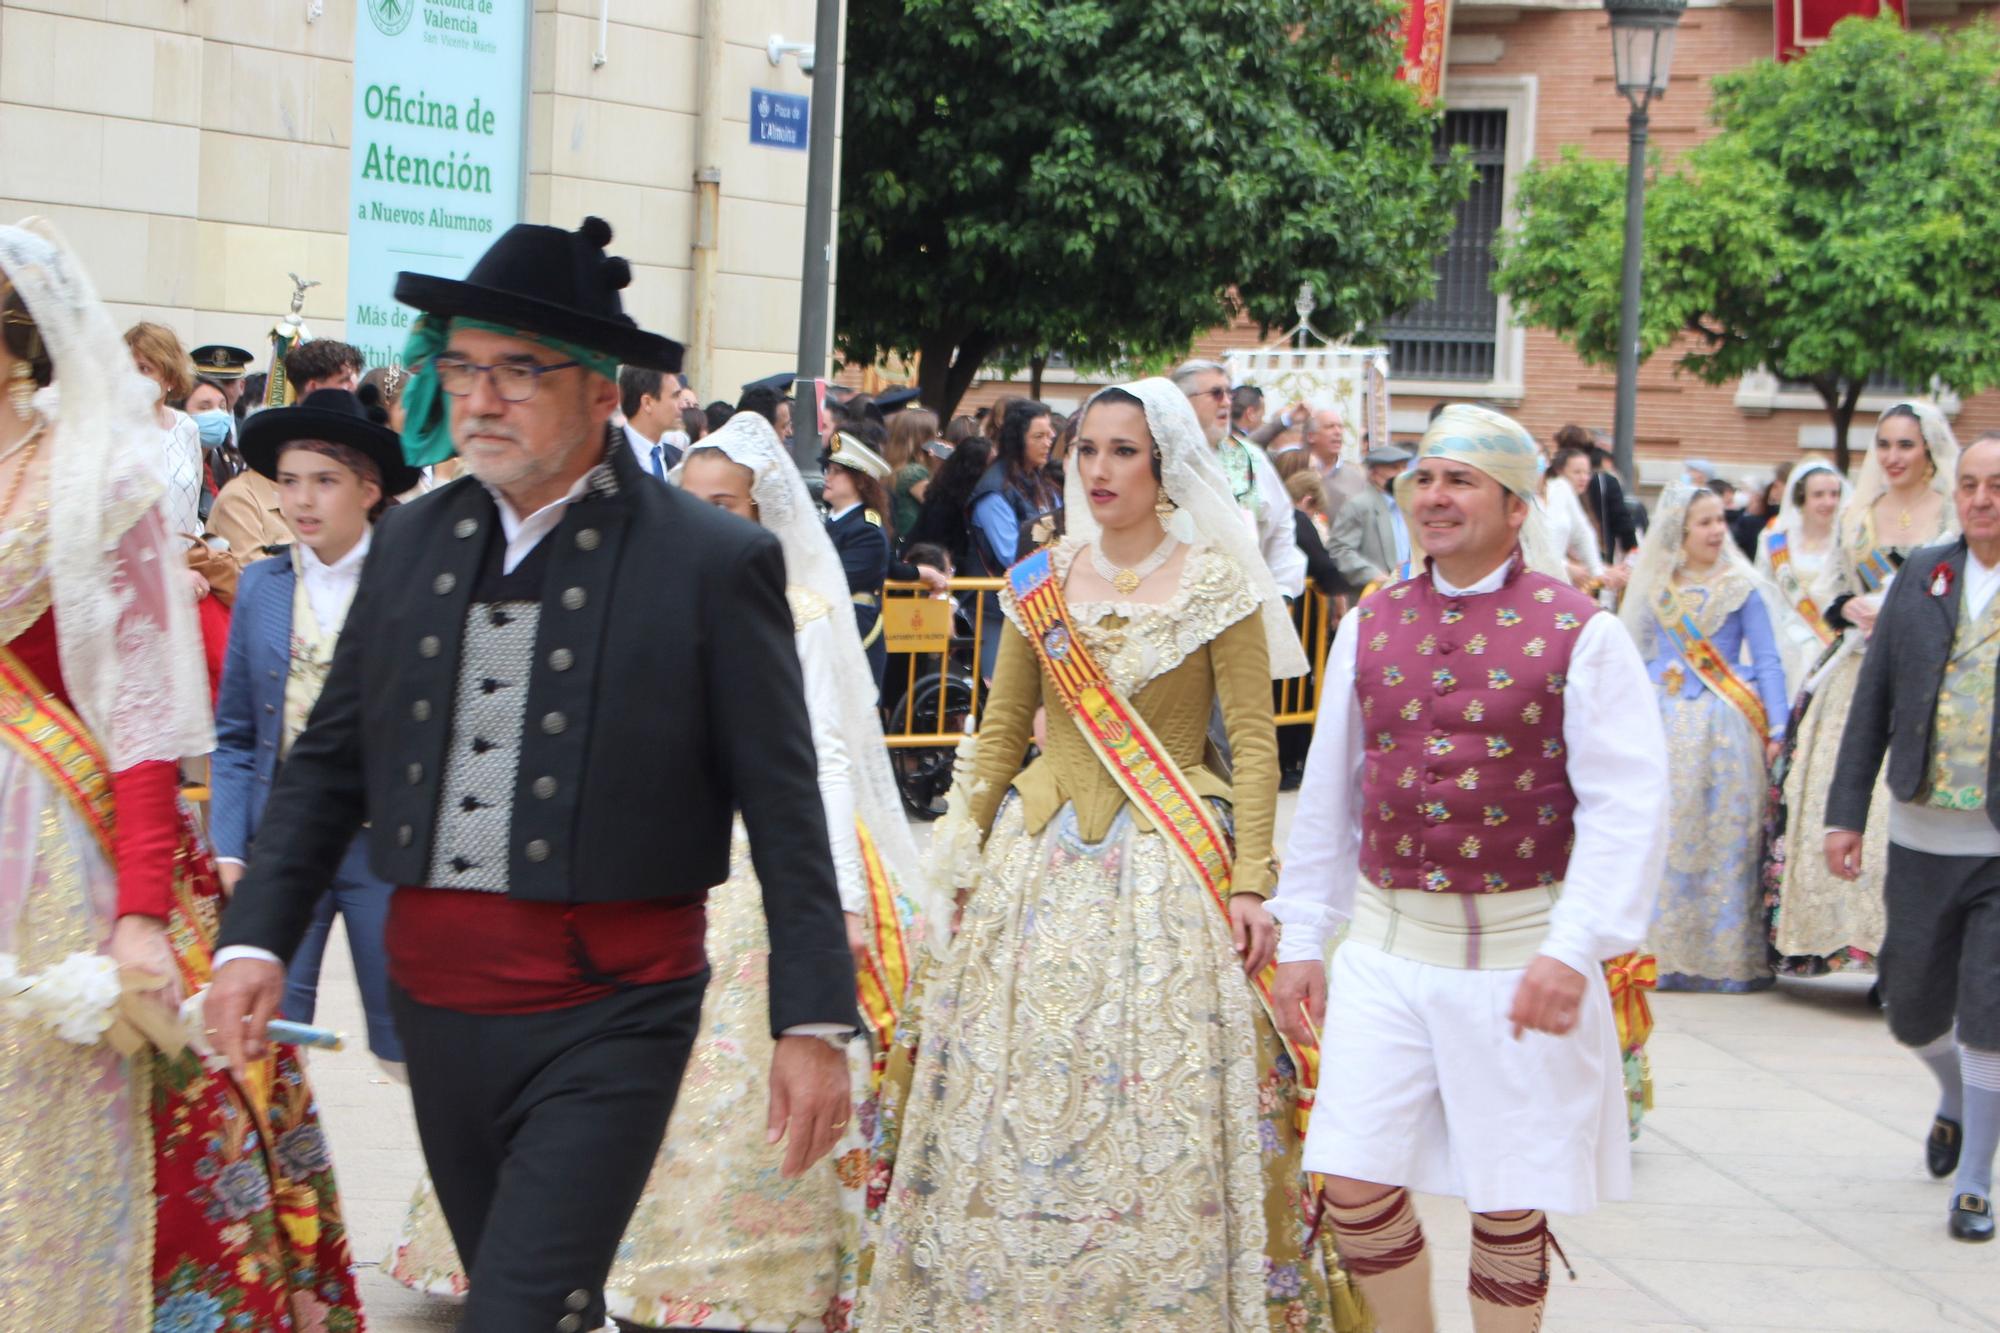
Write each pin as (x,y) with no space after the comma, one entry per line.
(658,470)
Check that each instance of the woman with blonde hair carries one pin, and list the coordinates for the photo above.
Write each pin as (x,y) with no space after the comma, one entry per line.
(159,356)
(909,431)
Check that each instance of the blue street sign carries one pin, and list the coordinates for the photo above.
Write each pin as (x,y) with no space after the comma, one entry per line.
(778,120)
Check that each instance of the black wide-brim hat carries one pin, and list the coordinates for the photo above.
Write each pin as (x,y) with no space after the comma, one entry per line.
(338,417)
(553,282)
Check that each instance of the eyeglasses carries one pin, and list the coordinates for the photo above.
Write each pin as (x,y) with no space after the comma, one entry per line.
(514,381)
(1218,393)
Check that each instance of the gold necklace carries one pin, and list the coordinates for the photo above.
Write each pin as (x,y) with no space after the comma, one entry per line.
(1127,581)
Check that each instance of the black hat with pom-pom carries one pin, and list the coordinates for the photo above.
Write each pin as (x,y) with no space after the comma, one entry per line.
(357,420)
(549,281)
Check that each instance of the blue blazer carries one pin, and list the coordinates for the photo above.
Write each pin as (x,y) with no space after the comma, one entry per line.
(250,714)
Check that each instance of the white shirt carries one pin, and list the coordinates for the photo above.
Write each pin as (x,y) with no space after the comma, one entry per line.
(836,515)
(330,588)
(642,450)
(525,534)
(1617,767)
(1569,526)
(1277,537)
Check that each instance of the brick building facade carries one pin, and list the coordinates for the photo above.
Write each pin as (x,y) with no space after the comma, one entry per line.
(1525,79)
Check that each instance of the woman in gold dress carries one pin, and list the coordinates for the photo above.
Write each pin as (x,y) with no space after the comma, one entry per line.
(1099,1127)
(1818,923)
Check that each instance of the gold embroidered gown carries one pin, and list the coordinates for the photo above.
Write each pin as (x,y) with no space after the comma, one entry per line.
(1820,923)
(1098,1127)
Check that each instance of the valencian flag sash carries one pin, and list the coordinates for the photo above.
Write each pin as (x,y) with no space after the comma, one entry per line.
(883,983)
(1780,547)
(1143,769)
(1707,663)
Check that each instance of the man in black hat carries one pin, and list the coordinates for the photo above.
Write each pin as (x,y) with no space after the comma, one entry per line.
(337,467)
(494,714)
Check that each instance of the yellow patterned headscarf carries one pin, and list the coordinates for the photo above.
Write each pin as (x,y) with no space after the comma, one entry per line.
(1500,447)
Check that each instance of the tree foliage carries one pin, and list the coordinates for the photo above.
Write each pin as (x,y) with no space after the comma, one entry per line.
(1840,225)
(1107,178)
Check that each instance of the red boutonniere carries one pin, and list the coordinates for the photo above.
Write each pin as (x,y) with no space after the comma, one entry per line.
(1941,581)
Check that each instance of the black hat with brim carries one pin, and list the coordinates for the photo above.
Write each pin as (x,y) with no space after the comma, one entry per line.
(780,383)
(337,417)
(220,361)
(892,401)
(544,280)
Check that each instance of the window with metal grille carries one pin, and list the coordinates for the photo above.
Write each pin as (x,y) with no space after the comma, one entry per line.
(1451,336)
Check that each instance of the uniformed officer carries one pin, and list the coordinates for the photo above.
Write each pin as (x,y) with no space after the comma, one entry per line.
(857,506)
(493,714)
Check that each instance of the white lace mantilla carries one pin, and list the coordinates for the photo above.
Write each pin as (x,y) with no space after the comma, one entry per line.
(1152,638)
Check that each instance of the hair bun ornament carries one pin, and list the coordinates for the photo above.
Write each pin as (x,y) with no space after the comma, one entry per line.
(595,231)
(370,398)
(617,274)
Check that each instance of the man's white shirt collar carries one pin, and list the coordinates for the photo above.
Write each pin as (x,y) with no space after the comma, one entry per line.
(1491,583)
(525,534)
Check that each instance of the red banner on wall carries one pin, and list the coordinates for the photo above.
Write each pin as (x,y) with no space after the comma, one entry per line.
(1426,26)
(1803,24)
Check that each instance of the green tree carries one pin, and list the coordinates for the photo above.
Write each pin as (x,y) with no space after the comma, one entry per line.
(1107,178)
(1840,225)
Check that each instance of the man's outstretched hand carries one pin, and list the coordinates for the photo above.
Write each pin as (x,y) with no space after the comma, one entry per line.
(242,1000)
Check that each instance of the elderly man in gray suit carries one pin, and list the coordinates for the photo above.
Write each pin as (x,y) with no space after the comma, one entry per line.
(1371,539)
(1926,697)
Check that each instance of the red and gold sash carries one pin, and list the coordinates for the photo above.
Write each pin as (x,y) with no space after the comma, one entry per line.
(1143,769)
(1778,544)
(1701,655)
(883,983)
(52,738)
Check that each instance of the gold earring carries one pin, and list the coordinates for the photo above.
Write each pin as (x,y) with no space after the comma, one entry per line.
(1164,504)
(21,390)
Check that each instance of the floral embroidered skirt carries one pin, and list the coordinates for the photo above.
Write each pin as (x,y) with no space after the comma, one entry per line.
(1708,930)
(720,1239)
(1819,923)
(149,1192)
(1096,1130)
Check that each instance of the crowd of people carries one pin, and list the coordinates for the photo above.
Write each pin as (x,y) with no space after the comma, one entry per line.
(755,1061)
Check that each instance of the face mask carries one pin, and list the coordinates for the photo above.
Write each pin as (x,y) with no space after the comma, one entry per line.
(216,427)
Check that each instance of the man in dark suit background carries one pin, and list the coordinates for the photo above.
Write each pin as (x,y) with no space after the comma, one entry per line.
(551,819)
(1926,697)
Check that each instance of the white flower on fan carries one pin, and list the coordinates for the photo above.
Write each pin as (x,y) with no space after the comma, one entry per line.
(76,996)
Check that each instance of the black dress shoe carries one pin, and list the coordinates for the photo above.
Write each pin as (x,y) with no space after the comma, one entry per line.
(1971,1218)
(1941,1151)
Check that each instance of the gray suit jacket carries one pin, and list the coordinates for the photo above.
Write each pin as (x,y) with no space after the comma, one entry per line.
(1895,701)
(1363,539)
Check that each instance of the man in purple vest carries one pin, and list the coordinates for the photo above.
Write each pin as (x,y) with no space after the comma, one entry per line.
(1483,803)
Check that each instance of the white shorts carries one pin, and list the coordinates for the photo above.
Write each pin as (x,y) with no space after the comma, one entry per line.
(1422,1084)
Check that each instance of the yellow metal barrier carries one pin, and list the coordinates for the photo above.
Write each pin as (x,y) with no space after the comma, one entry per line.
(932,699)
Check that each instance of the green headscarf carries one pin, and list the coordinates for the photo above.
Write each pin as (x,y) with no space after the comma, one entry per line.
(426,417)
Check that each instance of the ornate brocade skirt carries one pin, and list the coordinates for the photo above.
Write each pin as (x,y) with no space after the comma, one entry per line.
(1097,1128)
(1818,922)
(1708,930)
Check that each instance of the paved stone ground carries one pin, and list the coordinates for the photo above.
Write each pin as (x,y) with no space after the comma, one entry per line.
(1779,1182)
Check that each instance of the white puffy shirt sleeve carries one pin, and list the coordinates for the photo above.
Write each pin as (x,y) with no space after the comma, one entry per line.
(836,765)
(1618,769)
(1322,866)
(1277,536)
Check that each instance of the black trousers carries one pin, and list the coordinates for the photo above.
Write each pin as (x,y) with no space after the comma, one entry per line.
(540,1131)
(1940,960)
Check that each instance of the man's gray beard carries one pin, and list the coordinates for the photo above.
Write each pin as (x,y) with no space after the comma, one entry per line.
(524,469)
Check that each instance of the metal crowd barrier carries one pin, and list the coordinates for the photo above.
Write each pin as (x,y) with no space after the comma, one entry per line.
(932,698)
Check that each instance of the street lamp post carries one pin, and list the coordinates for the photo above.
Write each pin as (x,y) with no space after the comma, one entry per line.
(1642,54)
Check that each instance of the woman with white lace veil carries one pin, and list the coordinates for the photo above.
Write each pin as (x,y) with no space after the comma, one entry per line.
(1707,627)
(138,1189)
(1099,1128)
(1793,551)
(1902,501)
(720,1238)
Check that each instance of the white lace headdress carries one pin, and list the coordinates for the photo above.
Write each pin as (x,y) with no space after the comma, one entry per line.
(1791,514)
(125,620)
(785,509)
(1938,440)
(1660,556)
(1205,509)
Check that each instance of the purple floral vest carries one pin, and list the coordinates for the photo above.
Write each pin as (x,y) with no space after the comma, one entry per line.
(1465,780)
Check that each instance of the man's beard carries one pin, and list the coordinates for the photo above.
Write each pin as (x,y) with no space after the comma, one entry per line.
(517,466)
